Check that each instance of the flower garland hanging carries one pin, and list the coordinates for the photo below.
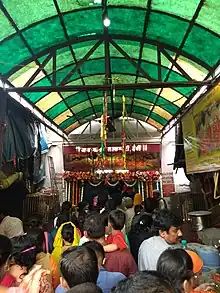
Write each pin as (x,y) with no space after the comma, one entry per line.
(104,121)
(112,178)
(111,184)
(123,134)
(95,184)
(130,185)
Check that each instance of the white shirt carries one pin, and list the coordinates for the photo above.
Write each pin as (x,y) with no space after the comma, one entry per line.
(83,240)
(150,251)
(11,227)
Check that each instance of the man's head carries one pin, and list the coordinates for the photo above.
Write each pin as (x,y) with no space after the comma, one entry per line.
(102,198)
(94,227)
(168,226)
(37,235)
(85,288)
(128,202)
(144,282)
(78,265)
(66,207)
(98,249)
(35,221)
(117,219)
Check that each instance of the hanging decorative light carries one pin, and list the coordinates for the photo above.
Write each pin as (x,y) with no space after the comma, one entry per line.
(123,131)
(104,121)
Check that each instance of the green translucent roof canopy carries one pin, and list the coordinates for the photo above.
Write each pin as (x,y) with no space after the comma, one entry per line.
(42,41)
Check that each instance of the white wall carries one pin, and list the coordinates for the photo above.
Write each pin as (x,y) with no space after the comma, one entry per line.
(56,152)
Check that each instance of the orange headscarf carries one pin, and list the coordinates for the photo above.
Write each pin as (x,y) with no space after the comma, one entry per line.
(197,261)
(137,199)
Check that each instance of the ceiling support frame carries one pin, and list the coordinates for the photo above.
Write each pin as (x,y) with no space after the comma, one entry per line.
(100,36)
(81,62)
(150,85)
(146,21)
(72,51)
(39,69)
(54,74)
(159,65)
(145,74)
(6,13)
(175,64)
(178,52)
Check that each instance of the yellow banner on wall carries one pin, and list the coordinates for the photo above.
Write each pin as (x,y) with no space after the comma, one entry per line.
(201,133)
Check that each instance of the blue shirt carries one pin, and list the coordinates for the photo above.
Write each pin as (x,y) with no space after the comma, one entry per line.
(106,281)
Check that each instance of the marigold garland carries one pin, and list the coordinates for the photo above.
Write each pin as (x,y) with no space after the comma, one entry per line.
(111,178)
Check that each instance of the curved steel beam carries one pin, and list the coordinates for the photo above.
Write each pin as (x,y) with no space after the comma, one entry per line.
(100,37)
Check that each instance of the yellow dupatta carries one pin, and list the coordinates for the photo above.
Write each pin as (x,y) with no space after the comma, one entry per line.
(58,242)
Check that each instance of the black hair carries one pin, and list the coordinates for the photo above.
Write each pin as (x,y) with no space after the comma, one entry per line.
(97,248)
(138,208)
(176,266)
(67,217)
(102,199)
(94,226)
(81,207)
(164,219)
(110,205)
(61,219)
(117,219)
(66,207)
(118,200)
(143,224)
(82,213)
(5,249)
(35,221)
(68,233)
(19,254)
(144,282)
(125,194)
(105,215)
(37,235)
(85,288)
(78,265)
(74,220)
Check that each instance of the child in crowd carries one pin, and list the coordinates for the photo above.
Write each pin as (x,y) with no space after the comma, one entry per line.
(116,240)
(44,259)
(30,276)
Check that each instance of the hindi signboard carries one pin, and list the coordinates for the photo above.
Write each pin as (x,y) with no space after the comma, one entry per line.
(139,157)
(201,133)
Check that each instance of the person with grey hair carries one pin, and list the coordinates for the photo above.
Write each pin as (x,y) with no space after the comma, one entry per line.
(129,205)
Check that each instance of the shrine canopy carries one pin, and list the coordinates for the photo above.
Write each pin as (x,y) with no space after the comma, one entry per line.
(42,41)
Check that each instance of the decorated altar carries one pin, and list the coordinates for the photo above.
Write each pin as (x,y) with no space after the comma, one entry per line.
(120,168)
(77,183)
